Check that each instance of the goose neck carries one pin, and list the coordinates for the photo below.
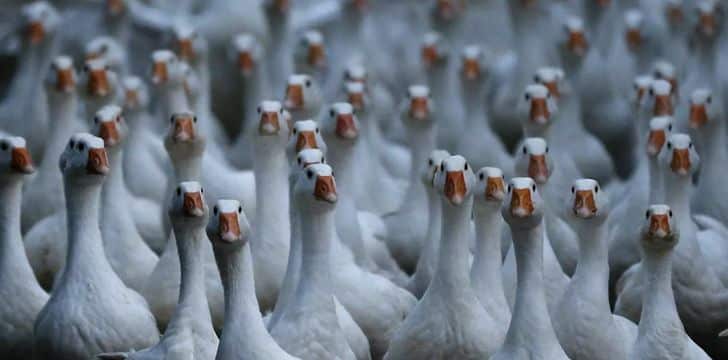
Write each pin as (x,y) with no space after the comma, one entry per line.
(421,141)
(677,194)
(317,233)
(474,102)
(11,245)
(656,181)
(592,270)
(452,266)
(85,250)
(173,99)
(62,113)
(529,311)
(341,156)
(192,298)
(488,229)
(658,298)
(255,88)
(271,181)
(713,148)
(114,188)
(187,169)
(542,131)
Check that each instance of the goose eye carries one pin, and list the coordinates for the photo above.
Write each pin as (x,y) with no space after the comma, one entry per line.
(524,150)
(308,83)
(690,145)
(179,192)
(669,145)
(258,109)
(214,210)
(669,127)
(596,189)
(194,119)
(670,213)
(4,146)
(332,113)
(430,162)
(442,167)
(317,130)
(295,131)
(536,79)
(527,97)
(118,119)
(309,174)
(171,119)
(636,87)
(81,146)
(202,190)
(647,214)
(652,92)
(709,99)
(533,187)
(547,149)
(572,190)
(509,189)
(481,176)
(71,144)
(96,119)
(240,209)
(548,95)
(299,161)
(466,166)
(323,160)
(85,68)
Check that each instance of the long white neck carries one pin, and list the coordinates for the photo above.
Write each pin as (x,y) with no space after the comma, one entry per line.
(32,69)
(659,317)
(188,169)
(453,273)
(317,233)
(255,88)
(427,263)
(486,269)
(173,100)
(656,181)
(421,141)
(278,52)
(475,105)
(12,252)
(591,277)
(271,182)
(677,197)
(63,109)
(713,150)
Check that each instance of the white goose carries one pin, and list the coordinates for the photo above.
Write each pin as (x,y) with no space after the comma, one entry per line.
(100,86)
(189,334)
(442,83)
(24,298)
(303,98)
(530,334)
(278,51)
(310,57)
(111,51)
(449,321)
(661,333)
(583,321)
(244,335)
(89,292)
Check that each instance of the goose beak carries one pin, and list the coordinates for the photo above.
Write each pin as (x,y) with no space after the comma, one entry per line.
(698,116)
(192,204)
(316,55)
(539,113)
(325,189)
(109,132)
(659,225)
(115,7)
(356,99)
(97,163)
(674,14)
(346,126)
(98,83)
(185,49)
(655,141)
(603,3)
(159,73)
(361,5)
(35,32)
(294,97)
(131,98)
(521,203)
(706,23)
(663,106)
(246,64)
(21,161)
(471,69)
(455,188)
(494,189)
(184,129)
(553,87)
(446,9)
(680,163)
(674,90)
(633,37)
(269,123)
(584,205)
(419,108)
(640,94)
(429,55)
(282,5)
(229,228)
(65,81)
(306,140)
(537,168)
(577,43)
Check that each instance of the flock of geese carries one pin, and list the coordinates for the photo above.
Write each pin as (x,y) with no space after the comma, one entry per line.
(353,179)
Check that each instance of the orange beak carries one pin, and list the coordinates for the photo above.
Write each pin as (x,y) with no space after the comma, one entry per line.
(65,81)
(633,38)
(521,203)
(346,127)
(184,129)
(584,205)
(680,163)
(640,94)
(294,97)
(115,7)
(674,14)
(698,115)
(655,141)
(98,163)
(192,204)
(356,100)
(21,162)
(35,32)
(603,3)
(325,189)
(131,98)
(537,168)
(455,188)
(429,55)
(229,227)
(246,64)
(446,9)
(577,43)
(707,23)
(269,124)
(663,106)
(306,140)
(361,5)
(316,55)
(659,225)
(159,72)
(419,108)
(186,51)
(109,132)
(553,87)
(494,189)
(471,69)
(539,111)
(98,83)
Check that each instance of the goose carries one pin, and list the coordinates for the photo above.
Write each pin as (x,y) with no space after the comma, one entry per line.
(704,49)
(584,323)
(309,328)
(664,70)
(485,271)
(100,86)
(537,164)
(449,321)
(190,334)
(427,262)
(244,335)
(129,256)
(303,97)
(574,45)
(406,227)
(478,143)
(24,298)
(38,24)
(661,333)
(530,334)
(278,15)
(111,51)
(270,240)
(89,292)
(676,20)
(310,57)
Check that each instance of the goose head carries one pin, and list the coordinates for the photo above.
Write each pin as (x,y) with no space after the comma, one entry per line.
(84,160)
(356,6)
(307,157)
(664,70)
(340,123)
(15,160)
(136,94)
(62,77)
(228,227)
(109,125)
(315,190)
(660,130)
(574,41)
(534,160)
(115,8)
(552,79)
(679,156)
(247,53)
(355,72)
(448,10)
(703,111)
(434,51)
(455,180)
(588,201)
(187,206)
(98,80)
(707,24)
(305,134)
(39,21)
(357,96)
(660,98)
(277,7)
(434,161)
(674,12)
(522,206)
(189,45)
(167,70)
(490,190)
(108,49)
(641,86)
(303,95)
(309,54)
(634,35)
(183,139)
(272,124)
(417,108)
(538,106)
(659,231)
(472,64)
